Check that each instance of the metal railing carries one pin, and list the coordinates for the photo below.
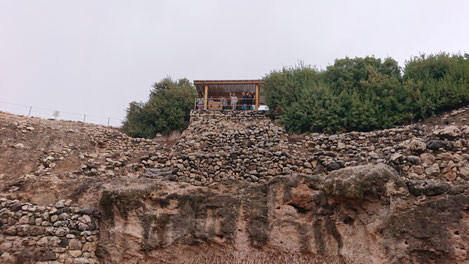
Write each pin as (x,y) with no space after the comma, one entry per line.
(223,103)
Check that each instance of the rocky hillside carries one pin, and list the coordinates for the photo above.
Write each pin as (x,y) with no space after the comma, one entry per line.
(234,188)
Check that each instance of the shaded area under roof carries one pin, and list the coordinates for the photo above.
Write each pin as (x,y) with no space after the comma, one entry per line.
(220,88)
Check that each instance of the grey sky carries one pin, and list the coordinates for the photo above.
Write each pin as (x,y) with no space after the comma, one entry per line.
(94,57)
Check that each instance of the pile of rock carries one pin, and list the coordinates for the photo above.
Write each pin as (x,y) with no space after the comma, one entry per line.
(52,234)
(230,145)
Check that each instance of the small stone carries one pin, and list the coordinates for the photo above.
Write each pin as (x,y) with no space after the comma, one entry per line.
(333,165)
(340,145)
(449,132)
(43,242)
(48,256)
(86,219)
(397,157)
(83,226)
(75,253)
(427,158)
(437,144)
(64,216)
(414,160)
(418,170)
(433,170)
(7,258)
(36,230)
(60,204)
(24,220)
(19,146)
(374,155)
(464,170)
(54,218)
(61,231)
(74,244)
(417,146)
(89,246)
(451,176)
(6,246)
(445,156)
(22,230)
(81,261)
(54,241)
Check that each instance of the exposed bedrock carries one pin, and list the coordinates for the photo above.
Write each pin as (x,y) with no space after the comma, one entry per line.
(362,214)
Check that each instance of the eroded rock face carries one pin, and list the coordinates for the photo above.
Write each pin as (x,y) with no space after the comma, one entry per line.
(364,214)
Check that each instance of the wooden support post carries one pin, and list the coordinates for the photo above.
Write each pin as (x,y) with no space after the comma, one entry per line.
(205,96)
(257,96)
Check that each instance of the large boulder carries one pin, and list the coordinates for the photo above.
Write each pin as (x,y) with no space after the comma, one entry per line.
(368,181)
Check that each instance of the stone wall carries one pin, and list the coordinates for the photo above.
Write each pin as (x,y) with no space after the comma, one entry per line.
(54,234)
(230,145)
(247,145)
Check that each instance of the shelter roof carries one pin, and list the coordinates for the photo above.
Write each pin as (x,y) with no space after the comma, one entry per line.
(226,86)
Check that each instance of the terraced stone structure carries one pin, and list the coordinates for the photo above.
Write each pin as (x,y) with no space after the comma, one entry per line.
(234,188)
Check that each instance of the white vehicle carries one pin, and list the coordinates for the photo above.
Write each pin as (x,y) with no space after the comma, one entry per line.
(263,108)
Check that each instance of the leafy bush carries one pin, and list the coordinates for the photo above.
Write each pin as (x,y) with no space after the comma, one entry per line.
(167,109)
(282,88)
(366,93)
(437,83)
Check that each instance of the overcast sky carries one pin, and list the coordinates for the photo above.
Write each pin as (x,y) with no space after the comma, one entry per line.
(94,57)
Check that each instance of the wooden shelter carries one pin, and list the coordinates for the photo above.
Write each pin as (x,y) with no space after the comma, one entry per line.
(223,88)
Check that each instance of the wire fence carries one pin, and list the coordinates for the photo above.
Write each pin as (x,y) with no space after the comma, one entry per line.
(35,111)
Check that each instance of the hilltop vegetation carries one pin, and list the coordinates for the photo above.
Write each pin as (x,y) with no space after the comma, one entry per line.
(167,109)
(363,94)
(353,94)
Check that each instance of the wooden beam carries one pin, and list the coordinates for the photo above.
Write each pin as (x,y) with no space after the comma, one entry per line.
(227,82)
(205,96)
(257,96)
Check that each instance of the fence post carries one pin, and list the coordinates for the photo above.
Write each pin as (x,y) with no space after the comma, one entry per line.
(84,118)
(108,119)
(30,108)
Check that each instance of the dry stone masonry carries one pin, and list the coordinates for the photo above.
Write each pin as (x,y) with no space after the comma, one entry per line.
(236,187)
(47,234)
(248,146)
(231,145)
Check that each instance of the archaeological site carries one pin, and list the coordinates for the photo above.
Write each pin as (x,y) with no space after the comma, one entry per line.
(234,187)
(234,132)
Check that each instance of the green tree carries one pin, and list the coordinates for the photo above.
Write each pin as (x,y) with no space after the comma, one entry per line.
(282,88)
(367,93)
(436,83)
(167,109)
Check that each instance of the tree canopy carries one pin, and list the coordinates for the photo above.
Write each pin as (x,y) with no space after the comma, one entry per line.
(166,110)
(366,93)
